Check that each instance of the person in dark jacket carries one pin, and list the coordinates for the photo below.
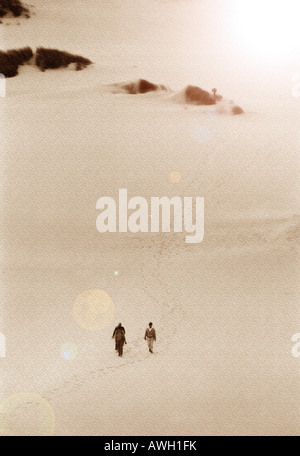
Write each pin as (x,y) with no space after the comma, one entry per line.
(150,336)
(120,339)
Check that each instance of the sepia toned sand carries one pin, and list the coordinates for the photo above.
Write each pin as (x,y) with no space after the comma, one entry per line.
(224,310)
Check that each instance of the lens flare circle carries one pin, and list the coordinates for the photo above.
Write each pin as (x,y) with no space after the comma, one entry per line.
(26,414)
(68,351)
(200,134)
(175,177)
(94,310)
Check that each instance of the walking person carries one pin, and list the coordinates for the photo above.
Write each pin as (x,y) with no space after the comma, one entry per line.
(120,339)
(150,336)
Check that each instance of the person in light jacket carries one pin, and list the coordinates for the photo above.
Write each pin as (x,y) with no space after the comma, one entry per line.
(150,336)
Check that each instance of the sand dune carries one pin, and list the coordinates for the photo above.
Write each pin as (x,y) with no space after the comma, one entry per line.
(224,310)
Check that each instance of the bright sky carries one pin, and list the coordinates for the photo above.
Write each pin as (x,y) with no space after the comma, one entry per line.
(267,28)
(230,44)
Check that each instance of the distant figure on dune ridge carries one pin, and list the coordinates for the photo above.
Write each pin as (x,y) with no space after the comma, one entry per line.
(150,336)
(120,339)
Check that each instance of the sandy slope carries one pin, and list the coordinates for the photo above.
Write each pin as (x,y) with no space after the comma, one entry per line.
(224,310)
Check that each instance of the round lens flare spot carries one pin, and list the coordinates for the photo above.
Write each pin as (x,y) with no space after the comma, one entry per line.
(26,414)
(175,177)
(116,273)
(200,134)
(68,351)
(94,310)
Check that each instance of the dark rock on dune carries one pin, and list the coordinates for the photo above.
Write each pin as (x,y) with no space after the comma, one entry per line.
(15,7)
(53,58)
(144,86)
(10,60)
(136,87)
(237,110)
(196,95)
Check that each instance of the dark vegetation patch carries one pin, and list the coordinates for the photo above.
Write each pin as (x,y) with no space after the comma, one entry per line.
(53,58)
(10,60)
(142,86)
(14,7)
(136,87)
(237,110)
(196,95)
(44,59)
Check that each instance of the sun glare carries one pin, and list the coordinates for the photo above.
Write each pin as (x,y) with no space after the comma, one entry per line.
(268,27)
